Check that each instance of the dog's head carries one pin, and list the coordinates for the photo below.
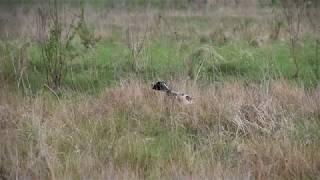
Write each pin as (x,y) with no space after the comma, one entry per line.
(160,86)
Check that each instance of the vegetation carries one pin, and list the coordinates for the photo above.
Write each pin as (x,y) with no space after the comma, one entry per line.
(76,101)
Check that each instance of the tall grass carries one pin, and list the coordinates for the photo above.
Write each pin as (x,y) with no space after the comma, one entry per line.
(250,119)
(234,130)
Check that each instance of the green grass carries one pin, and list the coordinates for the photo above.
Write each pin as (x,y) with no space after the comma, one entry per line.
(171,56)
(165,59)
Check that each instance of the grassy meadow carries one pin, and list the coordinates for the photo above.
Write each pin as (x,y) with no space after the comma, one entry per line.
(252,117)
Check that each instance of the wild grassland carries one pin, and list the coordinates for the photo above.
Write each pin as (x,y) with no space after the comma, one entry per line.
(129,131)
(251,118)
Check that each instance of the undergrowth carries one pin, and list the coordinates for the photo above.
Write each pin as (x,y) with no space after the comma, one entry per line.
(235,130)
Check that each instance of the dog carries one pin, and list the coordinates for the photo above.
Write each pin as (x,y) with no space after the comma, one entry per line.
(181,97)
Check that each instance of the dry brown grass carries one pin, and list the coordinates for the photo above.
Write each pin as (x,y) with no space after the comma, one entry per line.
(233,131)
(21,21)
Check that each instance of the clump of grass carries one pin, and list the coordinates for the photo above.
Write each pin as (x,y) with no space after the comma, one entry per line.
(14,61)
(202,61)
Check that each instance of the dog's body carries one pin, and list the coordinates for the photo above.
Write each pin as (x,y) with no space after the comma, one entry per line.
(181,97)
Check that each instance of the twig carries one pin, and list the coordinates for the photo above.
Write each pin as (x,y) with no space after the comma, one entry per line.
(53,92)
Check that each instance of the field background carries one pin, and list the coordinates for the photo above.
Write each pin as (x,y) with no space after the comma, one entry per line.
(254,116)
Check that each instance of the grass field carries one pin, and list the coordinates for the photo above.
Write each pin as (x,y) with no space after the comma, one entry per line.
(252,119)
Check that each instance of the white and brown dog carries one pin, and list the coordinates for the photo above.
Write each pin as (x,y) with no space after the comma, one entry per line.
(181,97)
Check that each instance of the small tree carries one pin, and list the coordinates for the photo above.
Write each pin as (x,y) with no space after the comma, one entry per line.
(85,33)
(136,39)
(54,41)
(135,42)
(276,24)
(294,11)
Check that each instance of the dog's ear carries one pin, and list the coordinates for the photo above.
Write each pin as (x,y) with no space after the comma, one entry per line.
(155,86)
